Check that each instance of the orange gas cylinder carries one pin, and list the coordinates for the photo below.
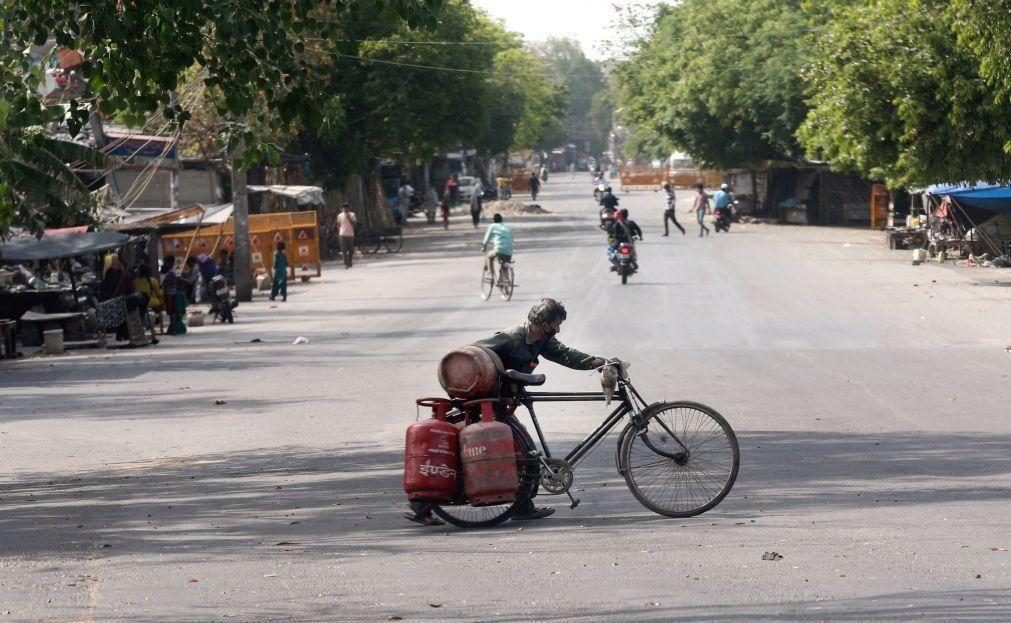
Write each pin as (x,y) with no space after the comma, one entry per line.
(489,459)
(431,457)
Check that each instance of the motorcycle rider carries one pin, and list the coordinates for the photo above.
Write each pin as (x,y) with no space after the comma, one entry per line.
(622,230)
(608,201)
(520,348)
(722,200)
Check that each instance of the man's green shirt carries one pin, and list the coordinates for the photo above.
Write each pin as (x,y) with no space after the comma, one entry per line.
(518,352)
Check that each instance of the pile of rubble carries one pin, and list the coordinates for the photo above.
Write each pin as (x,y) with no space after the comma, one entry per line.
(513,208)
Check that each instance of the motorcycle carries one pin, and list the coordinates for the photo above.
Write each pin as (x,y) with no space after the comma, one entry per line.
(220,299)
(598,192)
(606,219)
(723,216)
(626,261)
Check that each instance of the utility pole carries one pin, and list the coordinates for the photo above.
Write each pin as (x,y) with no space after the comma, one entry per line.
(240,216)
(174,175)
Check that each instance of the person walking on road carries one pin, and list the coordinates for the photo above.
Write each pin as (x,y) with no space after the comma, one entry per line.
(476,205)
(701,208)
(453,189)
(346,222)
(280,285)
(444,207)
(670,214)
(535,186)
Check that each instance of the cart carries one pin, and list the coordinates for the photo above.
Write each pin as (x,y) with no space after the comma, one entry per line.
(369,241)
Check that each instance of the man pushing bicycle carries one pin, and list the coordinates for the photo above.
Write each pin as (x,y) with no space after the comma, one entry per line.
(520,349)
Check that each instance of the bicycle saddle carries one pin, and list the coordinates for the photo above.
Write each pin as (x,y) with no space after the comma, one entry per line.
(526,379)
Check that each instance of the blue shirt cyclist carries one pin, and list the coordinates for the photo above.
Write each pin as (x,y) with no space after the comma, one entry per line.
(501,239)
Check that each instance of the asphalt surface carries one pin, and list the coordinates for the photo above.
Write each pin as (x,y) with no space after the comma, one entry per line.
(870,398)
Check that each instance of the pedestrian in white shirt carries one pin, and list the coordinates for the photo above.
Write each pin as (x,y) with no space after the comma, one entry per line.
(346,222)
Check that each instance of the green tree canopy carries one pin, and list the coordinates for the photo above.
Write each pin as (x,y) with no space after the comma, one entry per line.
(263,59)
(583,79)
(895,95)
(719,79)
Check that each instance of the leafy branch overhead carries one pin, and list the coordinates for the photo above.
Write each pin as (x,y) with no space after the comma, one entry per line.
(908,91)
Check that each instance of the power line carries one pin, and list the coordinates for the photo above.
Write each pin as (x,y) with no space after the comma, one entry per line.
(546,73)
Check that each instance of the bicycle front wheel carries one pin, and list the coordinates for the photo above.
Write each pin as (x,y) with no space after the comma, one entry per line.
(487,283)
(505,283)
(682,461)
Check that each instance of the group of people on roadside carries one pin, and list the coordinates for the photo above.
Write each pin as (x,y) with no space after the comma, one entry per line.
(181,287)
(701,206)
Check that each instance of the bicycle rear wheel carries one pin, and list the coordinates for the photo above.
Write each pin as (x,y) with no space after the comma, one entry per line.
(683,461)
(487,283)
(505,282)
(393,243)
(466,516)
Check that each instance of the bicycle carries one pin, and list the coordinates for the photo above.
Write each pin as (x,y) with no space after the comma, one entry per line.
(679,459)
(505,283)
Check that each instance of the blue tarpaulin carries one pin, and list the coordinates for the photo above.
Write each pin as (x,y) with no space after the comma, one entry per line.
(992,197)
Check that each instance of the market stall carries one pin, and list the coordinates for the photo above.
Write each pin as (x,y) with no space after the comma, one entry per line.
(39,286)
(970,220)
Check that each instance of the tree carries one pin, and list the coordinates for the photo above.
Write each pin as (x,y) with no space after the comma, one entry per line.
(398,94)
(37,187)
(896,95)
(262,57)
(583,79)
(403,96)
(984,26)
(719,79)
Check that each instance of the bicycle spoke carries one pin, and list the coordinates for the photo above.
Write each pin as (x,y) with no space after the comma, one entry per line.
(700,476)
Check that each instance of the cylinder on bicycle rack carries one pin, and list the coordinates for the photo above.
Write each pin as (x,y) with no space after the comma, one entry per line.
(431,456)
(470,372)
(489,459)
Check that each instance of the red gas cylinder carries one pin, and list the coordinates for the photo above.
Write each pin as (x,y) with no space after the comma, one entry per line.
(489,459)
(470,372)
(431,457)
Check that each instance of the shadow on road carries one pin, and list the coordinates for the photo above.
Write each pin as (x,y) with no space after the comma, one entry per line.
(293,499)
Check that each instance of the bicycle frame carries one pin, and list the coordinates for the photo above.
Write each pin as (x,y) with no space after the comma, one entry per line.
(630,402)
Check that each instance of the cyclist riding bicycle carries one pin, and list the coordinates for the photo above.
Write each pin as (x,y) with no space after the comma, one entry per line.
(501,239)
(520,349)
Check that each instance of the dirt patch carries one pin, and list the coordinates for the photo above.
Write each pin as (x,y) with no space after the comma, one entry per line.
(513,208)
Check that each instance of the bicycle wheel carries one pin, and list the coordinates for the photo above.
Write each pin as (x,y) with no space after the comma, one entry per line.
(683,461)
(505,282)
(393,243)
(487,283)
(466,516)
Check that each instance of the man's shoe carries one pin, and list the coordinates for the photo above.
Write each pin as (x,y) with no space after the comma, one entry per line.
(614,268)
(666,234)
(537,513)
(424,519)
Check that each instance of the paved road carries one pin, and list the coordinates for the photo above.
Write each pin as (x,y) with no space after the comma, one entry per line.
(870,398)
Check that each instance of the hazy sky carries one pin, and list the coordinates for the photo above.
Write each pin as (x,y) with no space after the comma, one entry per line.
(587,21)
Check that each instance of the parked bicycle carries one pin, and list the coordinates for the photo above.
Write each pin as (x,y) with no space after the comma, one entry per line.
(679,459)
(505,282)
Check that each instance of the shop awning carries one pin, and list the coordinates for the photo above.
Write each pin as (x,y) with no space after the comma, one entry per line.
(179,219)
(992,197)
(303,195)
(60,245)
